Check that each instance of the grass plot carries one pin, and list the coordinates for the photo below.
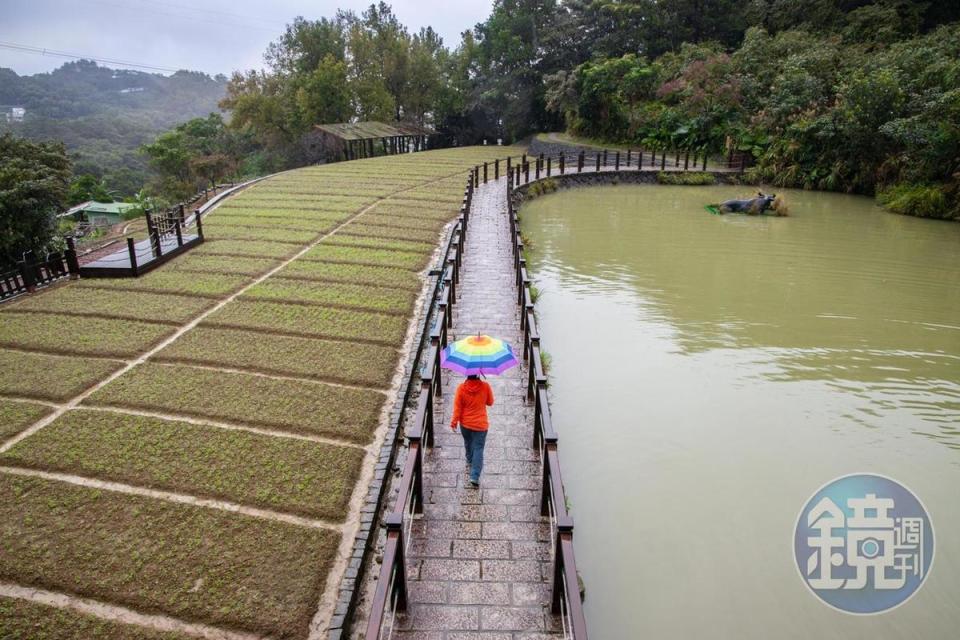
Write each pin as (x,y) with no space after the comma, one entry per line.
(81,336)
(25,620)
(17,416)
(358,296)
(128,305)
(324,360)
(311,321)
(284,474)
(287,405)
(48,377)
(192,562)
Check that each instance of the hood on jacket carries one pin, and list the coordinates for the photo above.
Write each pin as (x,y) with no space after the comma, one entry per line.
(473,386)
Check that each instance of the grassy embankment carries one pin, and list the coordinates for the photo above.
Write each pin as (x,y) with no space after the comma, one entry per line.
(270,402)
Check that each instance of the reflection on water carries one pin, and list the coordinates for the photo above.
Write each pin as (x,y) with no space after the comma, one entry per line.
(716,370)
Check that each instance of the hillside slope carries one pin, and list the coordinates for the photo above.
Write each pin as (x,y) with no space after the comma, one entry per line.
(103,115)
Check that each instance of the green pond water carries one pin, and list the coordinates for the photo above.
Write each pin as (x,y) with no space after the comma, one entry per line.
(710,373)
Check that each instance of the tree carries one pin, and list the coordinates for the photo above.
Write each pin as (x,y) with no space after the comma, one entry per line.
(379,48)
(307,84)
(193,154)
(322,95)
(511,65)
(425,59)
(34,178)
(305,44)
(652,27)
(88,187)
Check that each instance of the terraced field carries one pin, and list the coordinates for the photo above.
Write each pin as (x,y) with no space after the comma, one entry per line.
(191,446)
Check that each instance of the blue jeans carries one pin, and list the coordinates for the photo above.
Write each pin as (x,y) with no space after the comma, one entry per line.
(473,442)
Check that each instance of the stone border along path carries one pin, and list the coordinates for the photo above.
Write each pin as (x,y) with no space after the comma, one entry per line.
(347,529)
(479,559)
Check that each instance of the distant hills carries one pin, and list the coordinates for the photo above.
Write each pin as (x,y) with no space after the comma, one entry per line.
(103,115)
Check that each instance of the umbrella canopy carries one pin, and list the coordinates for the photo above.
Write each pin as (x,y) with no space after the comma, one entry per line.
(478,355)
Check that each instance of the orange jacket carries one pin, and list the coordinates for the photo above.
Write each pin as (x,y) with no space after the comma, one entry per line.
(470,405)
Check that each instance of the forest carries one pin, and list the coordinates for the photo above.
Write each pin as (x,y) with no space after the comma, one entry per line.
(104,116)
(846,95)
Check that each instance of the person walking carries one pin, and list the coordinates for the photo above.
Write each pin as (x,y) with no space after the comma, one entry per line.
(470,414)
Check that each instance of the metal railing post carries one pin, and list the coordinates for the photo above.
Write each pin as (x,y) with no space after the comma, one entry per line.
(73,264)
(394,522)
(415,442)
(132,250)
(564,526)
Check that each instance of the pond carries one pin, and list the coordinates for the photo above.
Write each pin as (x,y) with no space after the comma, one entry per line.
(710,373)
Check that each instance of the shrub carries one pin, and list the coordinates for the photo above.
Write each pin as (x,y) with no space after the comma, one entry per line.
(686,178)
(547,185)
(923,200)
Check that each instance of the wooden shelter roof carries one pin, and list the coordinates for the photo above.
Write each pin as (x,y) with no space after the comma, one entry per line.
(368,130)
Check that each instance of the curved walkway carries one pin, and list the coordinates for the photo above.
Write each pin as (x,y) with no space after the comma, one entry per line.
(478,561)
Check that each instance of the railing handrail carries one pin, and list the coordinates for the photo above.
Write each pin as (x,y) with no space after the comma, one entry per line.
(31,273)
(566,600)
(598,159)
(391,584)
(391,587)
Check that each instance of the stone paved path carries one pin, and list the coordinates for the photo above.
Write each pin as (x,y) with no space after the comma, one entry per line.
(478,562)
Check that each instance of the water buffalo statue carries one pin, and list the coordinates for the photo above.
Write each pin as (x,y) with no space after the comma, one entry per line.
(753,206)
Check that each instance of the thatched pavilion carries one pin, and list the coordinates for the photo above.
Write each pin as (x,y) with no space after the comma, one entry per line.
(352,140)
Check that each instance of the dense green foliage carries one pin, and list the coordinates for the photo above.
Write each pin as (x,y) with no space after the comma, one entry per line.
(33,188)
(849,96)
(852,95)
(366,67)
(200,153)
(104,115)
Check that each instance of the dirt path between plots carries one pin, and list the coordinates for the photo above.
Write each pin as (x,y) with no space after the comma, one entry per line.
(171,496)
(120,614)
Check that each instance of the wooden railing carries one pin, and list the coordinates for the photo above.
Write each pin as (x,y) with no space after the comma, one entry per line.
(566,601)
(32,273)
(537,167)
(390,596)
(170,232)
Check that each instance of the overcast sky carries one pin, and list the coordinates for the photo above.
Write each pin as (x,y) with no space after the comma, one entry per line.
(215,36)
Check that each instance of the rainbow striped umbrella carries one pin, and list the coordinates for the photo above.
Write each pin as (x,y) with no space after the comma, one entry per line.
(478,355)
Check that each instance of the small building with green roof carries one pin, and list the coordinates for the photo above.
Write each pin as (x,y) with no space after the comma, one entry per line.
(98,214)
